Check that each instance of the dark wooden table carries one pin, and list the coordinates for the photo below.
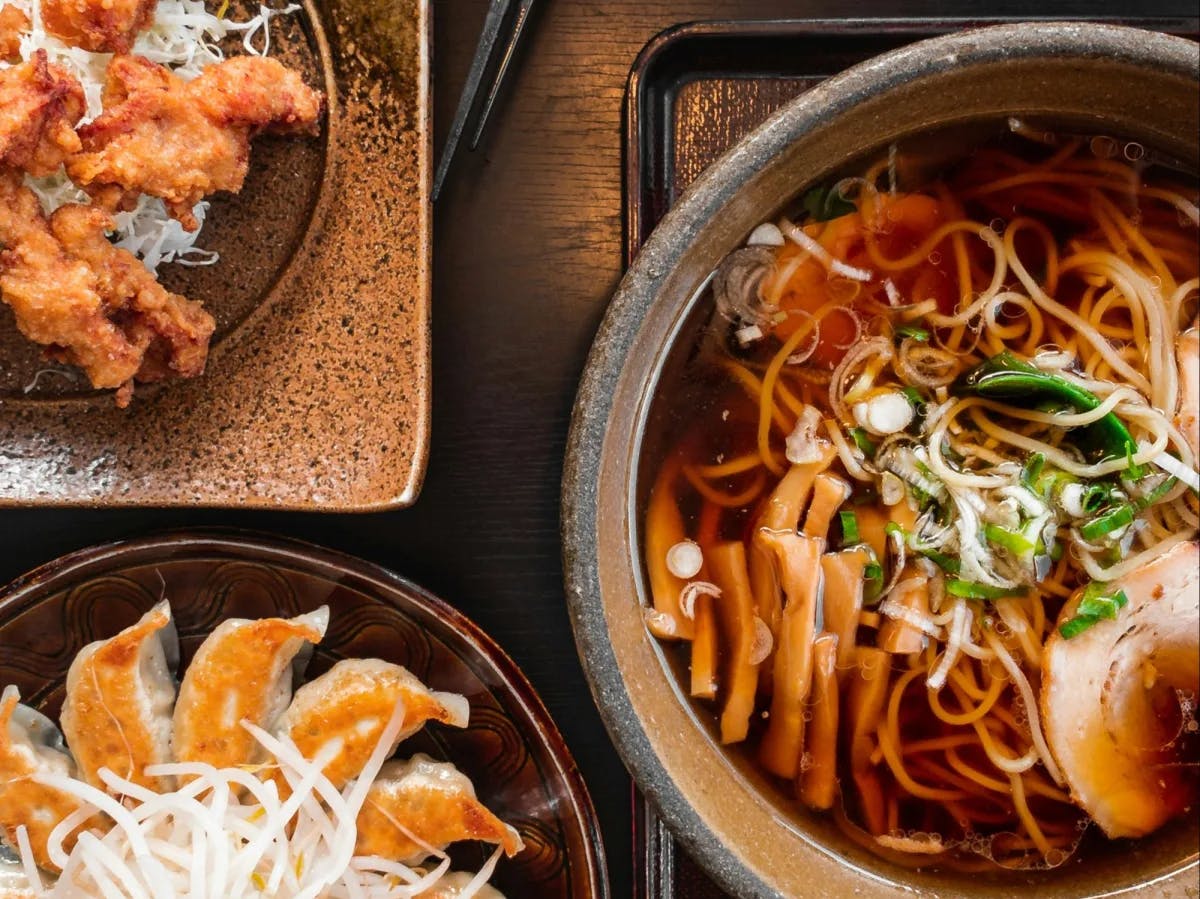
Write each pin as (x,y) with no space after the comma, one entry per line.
(528,251)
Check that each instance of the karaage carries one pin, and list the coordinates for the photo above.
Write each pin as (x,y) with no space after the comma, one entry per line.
(88,302)
(40,104)
(180,140)
(13,23)
(101,26)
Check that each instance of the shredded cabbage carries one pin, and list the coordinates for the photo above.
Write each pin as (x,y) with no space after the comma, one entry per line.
(185,37)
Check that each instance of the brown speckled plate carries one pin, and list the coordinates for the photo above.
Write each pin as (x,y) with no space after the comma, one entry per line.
(322,306)
(511,750)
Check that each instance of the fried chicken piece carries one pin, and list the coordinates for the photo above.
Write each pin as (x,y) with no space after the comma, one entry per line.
(13,23)
(39,106)
(101,26)
(184,140)
(90,303)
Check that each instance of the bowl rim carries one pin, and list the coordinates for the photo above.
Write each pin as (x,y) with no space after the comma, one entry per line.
(587,448)
(27,589)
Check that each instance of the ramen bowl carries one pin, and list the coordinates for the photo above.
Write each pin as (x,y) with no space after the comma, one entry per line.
(754,839)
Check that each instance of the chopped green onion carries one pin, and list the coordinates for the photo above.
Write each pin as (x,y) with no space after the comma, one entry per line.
(1133,472)
(1110,521)
(1157,493)
(942,561)
(891,529)
(1056,551)
(975,590)
(1096,496)
(1102,606)
(913,397)
(849,528)
(1031,470)
(1075,626)
(915,333)
(872,582)
(863,442)
(1096,604)
(1012,541)
(923,498)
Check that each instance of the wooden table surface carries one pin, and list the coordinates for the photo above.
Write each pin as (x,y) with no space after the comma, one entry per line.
(527,253)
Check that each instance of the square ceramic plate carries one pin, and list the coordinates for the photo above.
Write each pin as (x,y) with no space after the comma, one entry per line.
(316,394)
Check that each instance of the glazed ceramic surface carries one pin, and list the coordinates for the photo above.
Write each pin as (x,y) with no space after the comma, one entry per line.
(746,831)
(511,750)
(321,298)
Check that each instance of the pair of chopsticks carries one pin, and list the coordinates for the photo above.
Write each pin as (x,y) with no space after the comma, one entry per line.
(502,14)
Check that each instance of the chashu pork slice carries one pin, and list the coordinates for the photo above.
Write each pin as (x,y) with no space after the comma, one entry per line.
(1111,702)
(1187,354)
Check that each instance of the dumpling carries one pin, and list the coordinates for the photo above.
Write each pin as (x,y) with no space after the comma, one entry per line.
(426,802)
(117,713)
(27,747)
(242,671)
(354,701)
(452,885)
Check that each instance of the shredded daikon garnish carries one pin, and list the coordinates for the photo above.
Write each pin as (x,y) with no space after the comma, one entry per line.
(185,37)
(226,834)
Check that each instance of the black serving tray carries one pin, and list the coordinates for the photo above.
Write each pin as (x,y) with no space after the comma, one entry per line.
(694,91)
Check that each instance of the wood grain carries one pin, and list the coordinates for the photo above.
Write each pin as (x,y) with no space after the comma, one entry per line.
(527,252)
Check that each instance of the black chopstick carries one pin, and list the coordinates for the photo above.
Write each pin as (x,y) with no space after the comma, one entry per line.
(501,14)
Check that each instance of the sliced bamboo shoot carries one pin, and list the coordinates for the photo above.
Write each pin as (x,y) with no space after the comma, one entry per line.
(818,777)
(664,528)
(864,707)
(799,561)
(735,616)
(843,599)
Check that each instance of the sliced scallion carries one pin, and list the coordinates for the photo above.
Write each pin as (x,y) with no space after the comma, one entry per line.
(863,442)
(1074,626)
(849,528)
(1096,604)
(1112,520)
(918,334)
(942,561)
(1031,470)
(1014,542)
(975,590)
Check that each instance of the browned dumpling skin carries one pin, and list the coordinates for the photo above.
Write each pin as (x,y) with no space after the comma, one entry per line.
(40,105)
(432,802)
(101,26)
(117,713)
(353,702)
(22,801)
(242,671)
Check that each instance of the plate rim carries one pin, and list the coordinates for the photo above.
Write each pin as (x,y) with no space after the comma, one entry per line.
(25,590)
(283,492)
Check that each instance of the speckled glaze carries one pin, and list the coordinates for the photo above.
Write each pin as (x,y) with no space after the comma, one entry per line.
(316,394)
(511,749)
(749,835)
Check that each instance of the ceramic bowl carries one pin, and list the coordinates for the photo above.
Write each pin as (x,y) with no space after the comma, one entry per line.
(749,835)
(511,749)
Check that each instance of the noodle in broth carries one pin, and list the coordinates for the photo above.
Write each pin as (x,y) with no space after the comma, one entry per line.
(946,431)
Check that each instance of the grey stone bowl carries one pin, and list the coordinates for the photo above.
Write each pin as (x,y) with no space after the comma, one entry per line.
(748,835)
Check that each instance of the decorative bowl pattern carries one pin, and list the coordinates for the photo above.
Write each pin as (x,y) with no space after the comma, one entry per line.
(511,750)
